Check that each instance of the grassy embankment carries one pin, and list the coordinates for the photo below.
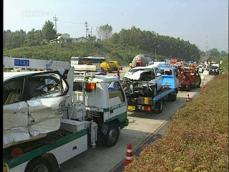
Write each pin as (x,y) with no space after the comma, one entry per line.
(124,54)
(197,138)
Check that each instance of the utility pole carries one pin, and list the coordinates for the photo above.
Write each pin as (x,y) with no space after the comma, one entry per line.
(55,22)
(86,26)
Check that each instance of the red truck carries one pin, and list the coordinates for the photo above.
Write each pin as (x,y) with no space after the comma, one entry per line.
(188,78)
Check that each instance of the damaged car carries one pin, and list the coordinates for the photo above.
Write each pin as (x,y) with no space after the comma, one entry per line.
(142,81)
(31,105)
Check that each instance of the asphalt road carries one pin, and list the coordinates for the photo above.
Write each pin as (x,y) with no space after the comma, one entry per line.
(141,126)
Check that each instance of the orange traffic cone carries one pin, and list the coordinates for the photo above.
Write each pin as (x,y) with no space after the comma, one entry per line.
(129,155)
(188,99)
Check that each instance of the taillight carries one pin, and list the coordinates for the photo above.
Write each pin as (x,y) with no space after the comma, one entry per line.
(146,108)
(90,87)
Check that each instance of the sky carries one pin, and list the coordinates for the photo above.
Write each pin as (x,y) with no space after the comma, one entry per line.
(201,22)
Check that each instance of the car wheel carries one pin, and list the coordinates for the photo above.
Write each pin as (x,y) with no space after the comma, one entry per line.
(154,91)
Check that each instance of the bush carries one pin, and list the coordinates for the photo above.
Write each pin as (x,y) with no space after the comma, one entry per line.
(197,137)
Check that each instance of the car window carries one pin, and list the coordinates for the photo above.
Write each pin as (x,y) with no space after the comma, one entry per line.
(156,70)
(45,85)
(77,86)
(147,76)
(115,90)
(13,90)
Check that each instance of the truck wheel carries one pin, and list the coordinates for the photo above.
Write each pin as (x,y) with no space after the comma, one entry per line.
(112,136)
(41,165)
(159,106)
(188,87)
(154,91)
(172,97)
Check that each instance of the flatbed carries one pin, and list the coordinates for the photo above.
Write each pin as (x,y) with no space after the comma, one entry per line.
(155,103)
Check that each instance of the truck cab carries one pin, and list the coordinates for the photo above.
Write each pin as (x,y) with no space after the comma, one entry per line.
(105,103)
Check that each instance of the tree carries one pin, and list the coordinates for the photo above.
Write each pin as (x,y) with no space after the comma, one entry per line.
(104,32)
(34,37)
(223,53)
(48,31)
(213,53)
(14,39)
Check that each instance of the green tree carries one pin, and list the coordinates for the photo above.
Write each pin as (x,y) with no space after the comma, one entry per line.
(104,32)
(13,39)
(48,31)
(213,53)
(34,37)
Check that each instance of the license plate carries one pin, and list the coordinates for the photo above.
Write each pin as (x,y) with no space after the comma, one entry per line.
(131,108)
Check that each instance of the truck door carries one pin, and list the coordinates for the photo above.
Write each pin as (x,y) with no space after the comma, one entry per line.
(46,92)
(15,111)
(117,99)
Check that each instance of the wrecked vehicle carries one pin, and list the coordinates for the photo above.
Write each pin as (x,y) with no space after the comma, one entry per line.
(148,103)
(188,78)
(142,81)
(31,102)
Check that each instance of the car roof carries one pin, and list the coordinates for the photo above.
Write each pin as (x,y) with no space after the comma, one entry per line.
(9,75)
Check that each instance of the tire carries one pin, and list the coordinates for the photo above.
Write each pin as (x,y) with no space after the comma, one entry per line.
(188,87)
(159,106)
(41,164)
(154,91)
(198,84)
(112,136)
(172,97)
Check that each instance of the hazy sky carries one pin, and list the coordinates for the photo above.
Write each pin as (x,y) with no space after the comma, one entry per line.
(202,22)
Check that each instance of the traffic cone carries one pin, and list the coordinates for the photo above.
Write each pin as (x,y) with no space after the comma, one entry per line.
(129,155)
(188,99)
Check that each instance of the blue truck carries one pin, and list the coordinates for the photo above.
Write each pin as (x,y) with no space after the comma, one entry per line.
(155,103)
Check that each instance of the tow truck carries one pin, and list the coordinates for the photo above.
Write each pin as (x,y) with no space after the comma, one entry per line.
(155,103)
(94,112)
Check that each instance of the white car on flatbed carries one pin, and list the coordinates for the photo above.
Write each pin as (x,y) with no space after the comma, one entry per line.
(148,79)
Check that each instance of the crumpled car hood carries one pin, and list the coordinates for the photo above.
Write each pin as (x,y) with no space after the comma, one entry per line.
(134,75)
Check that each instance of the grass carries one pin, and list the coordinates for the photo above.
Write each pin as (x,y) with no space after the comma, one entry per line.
(197,137)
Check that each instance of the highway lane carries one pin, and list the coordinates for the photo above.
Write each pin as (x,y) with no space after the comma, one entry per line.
(141,125)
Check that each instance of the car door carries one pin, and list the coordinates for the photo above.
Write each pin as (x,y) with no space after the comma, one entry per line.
(15,112)
(46,92)
(117,100)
